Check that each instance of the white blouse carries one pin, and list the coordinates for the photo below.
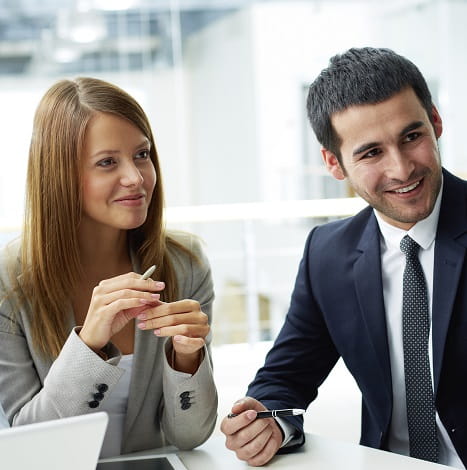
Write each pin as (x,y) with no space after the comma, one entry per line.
(116,406)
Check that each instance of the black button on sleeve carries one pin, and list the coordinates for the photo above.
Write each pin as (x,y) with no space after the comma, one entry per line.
(185,406)
(93,404)
(102,388)
(98,396)
(184,394)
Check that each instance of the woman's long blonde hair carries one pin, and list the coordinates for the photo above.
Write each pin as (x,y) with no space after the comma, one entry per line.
(50,254)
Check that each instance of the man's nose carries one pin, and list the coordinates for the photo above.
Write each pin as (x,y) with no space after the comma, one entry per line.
(399,166)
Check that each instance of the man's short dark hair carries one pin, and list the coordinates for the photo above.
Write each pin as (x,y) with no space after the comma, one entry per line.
(360,76)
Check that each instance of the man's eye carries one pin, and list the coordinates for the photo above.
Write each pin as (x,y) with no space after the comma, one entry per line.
(412,136)
(371,153)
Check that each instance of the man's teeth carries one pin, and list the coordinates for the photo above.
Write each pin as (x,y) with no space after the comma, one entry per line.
(407,188)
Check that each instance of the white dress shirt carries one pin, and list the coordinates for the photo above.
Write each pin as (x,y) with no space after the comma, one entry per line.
(392,266)
(116,406)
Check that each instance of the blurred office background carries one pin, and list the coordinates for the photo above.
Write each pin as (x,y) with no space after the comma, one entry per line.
(224,84)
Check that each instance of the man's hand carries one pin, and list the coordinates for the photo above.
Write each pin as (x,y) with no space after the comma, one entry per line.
(255,441)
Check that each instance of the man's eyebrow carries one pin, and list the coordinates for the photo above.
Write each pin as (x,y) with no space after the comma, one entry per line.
(364,148)
(411,127)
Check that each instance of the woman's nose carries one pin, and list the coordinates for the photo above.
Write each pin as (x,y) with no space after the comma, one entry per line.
(131,175)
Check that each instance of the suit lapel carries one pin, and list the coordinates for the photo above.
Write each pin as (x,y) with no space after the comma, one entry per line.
(369,289)
(451,242)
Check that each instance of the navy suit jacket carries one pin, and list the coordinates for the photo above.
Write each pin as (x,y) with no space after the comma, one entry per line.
(337,310)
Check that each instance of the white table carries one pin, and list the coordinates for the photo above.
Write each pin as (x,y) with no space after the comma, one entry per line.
(318,453)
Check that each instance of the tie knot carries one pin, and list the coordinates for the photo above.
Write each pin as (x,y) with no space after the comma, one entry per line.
(409,246)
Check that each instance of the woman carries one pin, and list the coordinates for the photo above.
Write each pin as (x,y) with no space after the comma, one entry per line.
(3,421)
(80,331)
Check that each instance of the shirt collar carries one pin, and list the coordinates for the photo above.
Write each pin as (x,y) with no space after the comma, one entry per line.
(423,232)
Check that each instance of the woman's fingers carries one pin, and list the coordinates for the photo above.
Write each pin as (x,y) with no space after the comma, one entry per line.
(114,303)
(186,345)
(141,298)
(173,320)
(165,314)
(130,281)
(183,318)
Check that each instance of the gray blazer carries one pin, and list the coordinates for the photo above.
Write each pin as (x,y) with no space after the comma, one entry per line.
(3,421)
(163,408)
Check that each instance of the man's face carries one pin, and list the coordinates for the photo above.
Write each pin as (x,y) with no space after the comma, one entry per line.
(390,156)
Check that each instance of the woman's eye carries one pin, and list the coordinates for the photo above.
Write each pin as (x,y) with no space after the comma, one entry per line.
(143,155)
(106,162)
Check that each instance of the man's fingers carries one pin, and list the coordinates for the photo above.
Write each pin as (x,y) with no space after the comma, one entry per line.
(231,426)
(247,403)
(255,446)
(268,451)
(255,441)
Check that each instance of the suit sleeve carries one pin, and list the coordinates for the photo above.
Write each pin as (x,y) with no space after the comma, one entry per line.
(190,401)
(68,386)
(302,355)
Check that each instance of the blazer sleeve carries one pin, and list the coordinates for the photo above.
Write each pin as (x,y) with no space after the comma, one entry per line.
(67,388)
(3,420)
(302,355)
(190,401)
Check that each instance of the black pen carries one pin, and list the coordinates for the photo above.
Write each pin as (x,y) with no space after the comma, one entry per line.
(274,413)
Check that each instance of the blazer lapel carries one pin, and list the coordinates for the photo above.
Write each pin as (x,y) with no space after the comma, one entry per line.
(369,289)
(451,243)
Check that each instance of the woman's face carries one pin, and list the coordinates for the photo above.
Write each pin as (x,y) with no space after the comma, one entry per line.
(118,174)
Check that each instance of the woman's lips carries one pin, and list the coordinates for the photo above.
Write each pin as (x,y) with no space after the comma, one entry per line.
(131,200)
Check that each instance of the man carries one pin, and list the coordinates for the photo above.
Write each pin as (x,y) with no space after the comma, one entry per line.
(358,295)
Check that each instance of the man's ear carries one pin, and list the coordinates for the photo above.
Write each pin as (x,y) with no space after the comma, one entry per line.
(332,164)
(437,122)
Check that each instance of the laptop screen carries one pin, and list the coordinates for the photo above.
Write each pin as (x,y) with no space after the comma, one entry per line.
(71,443)
(157,462)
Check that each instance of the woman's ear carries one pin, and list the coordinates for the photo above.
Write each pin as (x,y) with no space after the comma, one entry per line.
(332,164)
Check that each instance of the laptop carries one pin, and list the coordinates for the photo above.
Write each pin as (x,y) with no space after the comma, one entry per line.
(142,462)
(68,443)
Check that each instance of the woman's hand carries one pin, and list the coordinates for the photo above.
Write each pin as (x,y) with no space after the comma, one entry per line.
(114,303)
(186,323)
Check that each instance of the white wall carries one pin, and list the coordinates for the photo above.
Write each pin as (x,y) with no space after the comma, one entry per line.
(223,143)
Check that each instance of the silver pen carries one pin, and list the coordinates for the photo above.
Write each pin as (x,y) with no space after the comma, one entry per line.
(274,413)
(149,272)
